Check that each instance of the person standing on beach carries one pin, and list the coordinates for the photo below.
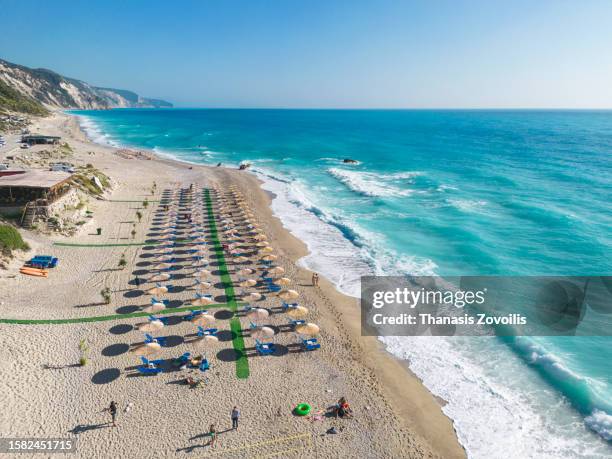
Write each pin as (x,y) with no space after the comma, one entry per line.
(235,416)
(112,409)
(315,280)
(212,433)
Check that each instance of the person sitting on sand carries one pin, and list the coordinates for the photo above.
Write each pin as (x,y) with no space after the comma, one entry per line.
(343,409)
(193,383)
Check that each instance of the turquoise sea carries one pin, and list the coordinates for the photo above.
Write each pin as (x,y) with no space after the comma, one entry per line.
(438,192)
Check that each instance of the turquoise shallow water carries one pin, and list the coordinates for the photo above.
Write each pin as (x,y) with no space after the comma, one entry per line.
(438,192)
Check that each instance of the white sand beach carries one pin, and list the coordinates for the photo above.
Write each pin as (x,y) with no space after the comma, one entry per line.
(45,393)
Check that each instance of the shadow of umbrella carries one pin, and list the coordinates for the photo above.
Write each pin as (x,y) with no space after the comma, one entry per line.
(115,349)
(106,376)
(229,355)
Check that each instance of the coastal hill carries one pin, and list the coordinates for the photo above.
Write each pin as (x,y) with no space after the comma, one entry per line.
(33,91)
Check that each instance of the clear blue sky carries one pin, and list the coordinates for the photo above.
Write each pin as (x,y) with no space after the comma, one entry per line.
(311,53)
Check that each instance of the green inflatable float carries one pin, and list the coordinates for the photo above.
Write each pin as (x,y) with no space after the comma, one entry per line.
(302,409)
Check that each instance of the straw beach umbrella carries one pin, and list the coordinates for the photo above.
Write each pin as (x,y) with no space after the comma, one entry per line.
(248,283)
(150,326)
(147,349)
(203,320)
(269,257)
(288,294)
(246,271)
(283,281)
(262,333)
(155,307)
(260,237)
(266,249)
(157,290)
(253,296)
(262,244)
(298,312)
(202,301)
(159,277)
(307,329)
(240,259)
(202,273)
(258,314)
(163,265)
(277,270)
(206,340)
(202,285)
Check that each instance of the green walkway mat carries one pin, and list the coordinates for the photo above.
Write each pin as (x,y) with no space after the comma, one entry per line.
(78,320)
(242,363)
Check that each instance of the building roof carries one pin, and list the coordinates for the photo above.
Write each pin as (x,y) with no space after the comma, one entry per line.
(39,136)
(34,179)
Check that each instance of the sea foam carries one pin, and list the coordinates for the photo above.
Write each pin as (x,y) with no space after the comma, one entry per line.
(371,184)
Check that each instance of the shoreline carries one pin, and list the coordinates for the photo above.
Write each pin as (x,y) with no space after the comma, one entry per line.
(418,411)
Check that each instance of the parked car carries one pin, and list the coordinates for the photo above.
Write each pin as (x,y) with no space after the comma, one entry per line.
(64,167)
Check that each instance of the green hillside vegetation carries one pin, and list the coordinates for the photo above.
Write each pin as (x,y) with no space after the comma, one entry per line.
(10,240)
(84,180)
(12,100)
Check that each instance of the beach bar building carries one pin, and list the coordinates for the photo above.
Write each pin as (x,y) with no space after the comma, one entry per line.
(35,139)
(21,188)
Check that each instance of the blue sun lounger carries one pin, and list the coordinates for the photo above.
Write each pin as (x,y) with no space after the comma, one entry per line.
(183,359)
(294,323)
(43,261)
(264,348)
(194,313)
(149,370)
(161,340)
(310,344)
(163,320)
(208,331)
(204,365)
(150,363)
(165,302)
(287,306)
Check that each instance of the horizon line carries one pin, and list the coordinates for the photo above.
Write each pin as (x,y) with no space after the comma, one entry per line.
(359,108)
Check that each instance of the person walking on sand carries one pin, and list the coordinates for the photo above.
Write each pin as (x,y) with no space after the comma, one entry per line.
(112,409)
(212,433)
(315,280)
(235,416)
